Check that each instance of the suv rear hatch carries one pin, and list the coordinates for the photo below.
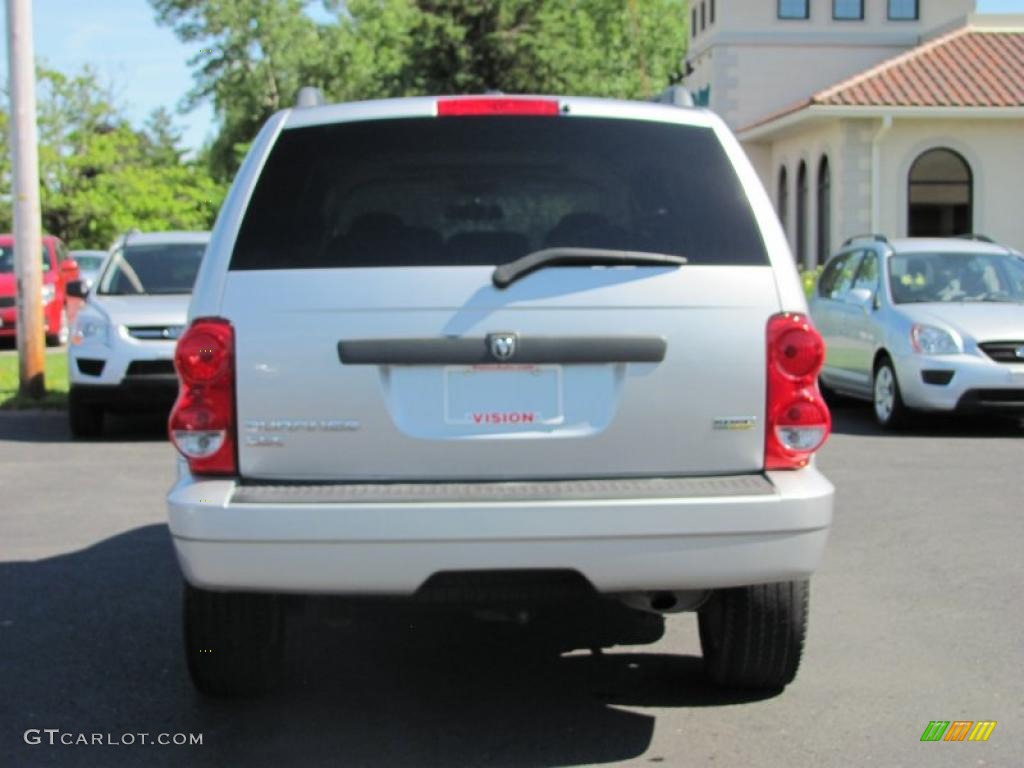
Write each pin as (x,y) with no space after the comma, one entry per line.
(373,344)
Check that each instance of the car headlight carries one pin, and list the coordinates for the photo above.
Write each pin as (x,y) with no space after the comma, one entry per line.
(48,292)
(929,340)
(89,329)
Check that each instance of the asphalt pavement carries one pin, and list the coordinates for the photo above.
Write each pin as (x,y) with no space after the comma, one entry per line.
(915,616)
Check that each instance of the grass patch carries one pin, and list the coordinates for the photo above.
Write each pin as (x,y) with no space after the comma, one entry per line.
(56,396)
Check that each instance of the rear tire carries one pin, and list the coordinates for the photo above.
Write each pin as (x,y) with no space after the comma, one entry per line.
(84,419)
(753,637)
(887,401)
(234,641)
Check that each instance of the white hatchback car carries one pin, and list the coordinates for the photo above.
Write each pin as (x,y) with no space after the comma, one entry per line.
(122,344)
(924,324)
(440,341)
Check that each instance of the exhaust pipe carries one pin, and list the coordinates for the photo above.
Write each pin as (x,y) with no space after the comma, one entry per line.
(665,600)
(662,601)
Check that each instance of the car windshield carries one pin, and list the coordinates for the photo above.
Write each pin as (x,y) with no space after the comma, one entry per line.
(7,259)
(486,191)
(152,269)
(956,277)
(89,262)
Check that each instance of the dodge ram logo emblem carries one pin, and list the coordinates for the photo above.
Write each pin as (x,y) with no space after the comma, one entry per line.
(503,345)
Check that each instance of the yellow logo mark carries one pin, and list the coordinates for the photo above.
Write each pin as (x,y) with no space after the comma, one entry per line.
(982,730)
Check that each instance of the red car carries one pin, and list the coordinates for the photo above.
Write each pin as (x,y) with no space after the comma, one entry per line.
(58,271)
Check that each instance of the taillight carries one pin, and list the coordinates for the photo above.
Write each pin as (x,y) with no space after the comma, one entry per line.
(798,421)
(202,423)
(496,105)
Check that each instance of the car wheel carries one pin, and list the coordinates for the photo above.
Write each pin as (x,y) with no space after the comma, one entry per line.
(890,412)
(234,641)
(60,338)
(753,637)
(84,419)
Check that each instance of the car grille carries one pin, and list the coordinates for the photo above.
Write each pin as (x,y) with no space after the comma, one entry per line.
(155,332)
(1004,351)
(151,368)
(6,301)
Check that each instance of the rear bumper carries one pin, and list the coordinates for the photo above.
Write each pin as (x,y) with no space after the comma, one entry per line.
(700,541)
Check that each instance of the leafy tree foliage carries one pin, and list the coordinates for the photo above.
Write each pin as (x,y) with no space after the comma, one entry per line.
(100,176)
(256,54)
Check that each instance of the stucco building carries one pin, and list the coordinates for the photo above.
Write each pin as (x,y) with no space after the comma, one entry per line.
(904,117)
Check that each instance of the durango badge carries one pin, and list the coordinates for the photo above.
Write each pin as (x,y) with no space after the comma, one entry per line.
(502,345)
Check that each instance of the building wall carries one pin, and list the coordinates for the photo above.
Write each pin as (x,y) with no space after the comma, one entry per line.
(762,79)
(994,149)
(759,14)
(827,140)
(756,63)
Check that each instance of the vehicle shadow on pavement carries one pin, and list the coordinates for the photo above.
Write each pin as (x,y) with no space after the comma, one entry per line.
(854,418)
(52,427)
(90,643)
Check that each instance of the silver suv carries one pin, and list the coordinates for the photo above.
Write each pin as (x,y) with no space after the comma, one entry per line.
(446,339)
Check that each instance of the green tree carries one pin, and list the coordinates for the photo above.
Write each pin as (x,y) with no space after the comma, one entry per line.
(99,176)
(617,48)
(6,182)
(256,54)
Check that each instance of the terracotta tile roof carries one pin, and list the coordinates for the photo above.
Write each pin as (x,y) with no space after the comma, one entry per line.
(965,68)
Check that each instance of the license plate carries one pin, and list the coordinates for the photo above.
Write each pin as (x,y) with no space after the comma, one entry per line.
(503,396)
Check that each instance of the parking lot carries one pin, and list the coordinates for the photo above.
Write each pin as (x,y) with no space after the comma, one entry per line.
(915,616)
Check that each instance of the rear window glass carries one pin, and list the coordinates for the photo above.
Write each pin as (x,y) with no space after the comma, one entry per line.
(485,191)
(152,269)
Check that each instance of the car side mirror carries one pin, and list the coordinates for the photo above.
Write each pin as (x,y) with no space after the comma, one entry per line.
(77,289)
(861,297)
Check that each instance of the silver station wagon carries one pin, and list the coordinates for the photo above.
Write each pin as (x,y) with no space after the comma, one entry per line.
(924,325)
(453,340)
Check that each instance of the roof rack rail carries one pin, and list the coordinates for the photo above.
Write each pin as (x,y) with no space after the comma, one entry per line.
(866,236)
(975,236)
(675,96)
(309,96)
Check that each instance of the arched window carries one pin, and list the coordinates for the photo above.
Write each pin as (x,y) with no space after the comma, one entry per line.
(801,214)
(824,210)
(940,195)
(783,199)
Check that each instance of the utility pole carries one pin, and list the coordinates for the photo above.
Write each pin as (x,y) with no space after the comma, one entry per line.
(25,199)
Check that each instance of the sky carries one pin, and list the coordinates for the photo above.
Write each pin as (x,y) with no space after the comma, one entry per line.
(146,64)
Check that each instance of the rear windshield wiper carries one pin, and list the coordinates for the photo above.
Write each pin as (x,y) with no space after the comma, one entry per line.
(506,274)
